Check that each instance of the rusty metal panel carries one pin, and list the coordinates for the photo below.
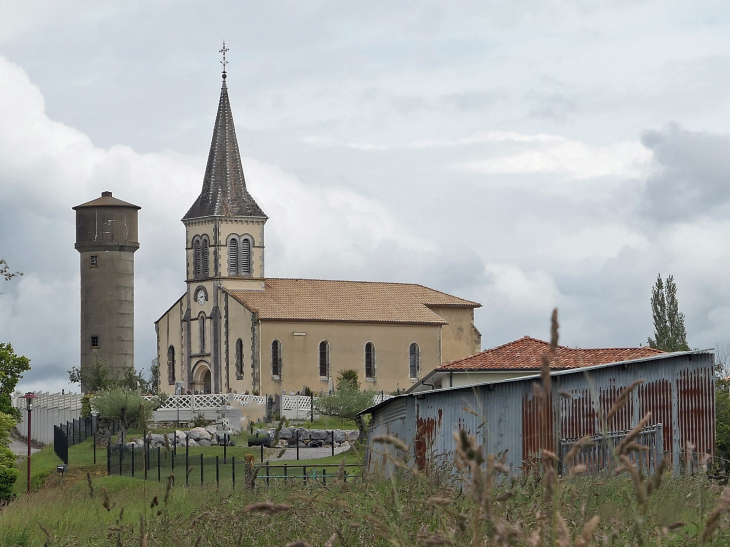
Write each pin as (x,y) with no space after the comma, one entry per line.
(508,419)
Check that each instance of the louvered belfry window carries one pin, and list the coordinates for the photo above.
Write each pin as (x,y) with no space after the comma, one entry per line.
(197,262)
(324,359)
(206,272)
(245,256)
(414,360)
(276,358)
(233,256)
(369,360)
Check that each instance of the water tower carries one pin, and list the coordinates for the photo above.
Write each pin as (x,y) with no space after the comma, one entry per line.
(106,239)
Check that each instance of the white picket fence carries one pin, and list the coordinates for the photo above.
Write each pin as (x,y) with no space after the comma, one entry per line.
(185,408)
(49,409)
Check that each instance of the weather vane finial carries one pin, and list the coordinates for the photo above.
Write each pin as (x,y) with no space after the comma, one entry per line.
(224,62)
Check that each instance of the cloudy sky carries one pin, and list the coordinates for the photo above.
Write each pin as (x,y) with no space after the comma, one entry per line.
(524,154)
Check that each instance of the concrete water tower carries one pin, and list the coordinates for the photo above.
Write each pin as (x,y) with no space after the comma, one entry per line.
(106,239)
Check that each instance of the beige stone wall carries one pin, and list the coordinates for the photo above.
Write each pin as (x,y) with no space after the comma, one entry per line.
(239,327)
(460,337)
(347,351)
(169,333)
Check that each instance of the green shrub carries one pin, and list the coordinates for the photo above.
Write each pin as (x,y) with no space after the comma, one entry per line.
(8,474)
(200,420)
(345,402)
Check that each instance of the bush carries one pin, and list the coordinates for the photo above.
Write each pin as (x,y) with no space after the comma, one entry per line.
(200,420)
(345,403)
(8,474)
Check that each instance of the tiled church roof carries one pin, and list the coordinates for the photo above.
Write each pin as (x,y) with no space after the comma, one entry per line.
(525,354)
(224,186)
(354,301)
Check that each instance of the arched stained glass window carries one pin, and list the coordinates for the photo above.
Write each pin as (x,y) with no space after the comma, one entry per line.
(369,360)
(239,358)
(276,361)
(414,360)
(201,332)
(171,365)
(324,359)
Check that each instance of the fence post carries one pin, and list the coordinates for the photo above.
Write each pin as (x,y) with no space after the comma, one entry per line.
(262,452)
(267,474)
(187,460)
(109,459)
(304,472)
(217,475)
(285,473)
(94,441)
(132,460)
(324,477)
(158,464)
(121,451)
(233,470)
(333,442)
(225,446)
(296,431)
(201,469)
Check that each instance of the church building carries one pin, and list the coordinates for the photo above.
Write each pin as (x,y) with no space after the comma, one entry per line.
(235,330)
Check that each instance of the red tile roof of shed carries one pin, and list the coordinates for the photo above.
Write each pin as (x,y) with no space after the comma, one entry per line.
(525,354)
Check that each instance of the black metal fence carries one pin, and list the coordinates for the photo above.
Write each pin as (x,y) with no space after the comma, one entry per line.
(74,432)
(158,463)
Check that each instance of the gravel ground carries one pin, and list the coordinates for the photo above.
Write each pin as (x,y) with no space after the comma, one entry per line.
(308,453)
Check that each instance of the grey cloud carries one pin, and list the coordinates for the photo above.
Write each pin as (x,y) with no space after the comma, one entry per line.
(692,177)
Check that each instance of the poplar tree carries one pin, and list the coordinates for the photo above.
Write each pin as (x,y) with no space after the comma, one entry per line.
(669,331)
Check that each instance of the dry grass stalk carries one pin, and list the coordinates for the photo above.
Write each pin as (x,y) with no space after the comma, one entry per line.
(633,471)
(622,448)
(168,488)
(563,534)
(91,486)
(554,327)
(585,537)
(106,502)
(655,480)
(713,520)
(331,541)
(267,507)
(50,537)
(298,543)
(622,399)
(573,452)
(142,532)
(394,441)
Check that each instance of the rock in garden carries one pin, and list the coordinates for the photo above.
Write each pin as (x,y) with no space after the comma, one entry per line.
(204,442)
(340,436)
(319,435)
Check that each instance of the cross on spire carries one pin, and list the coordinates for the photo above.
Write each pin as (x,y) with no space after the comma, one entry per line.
(224,62)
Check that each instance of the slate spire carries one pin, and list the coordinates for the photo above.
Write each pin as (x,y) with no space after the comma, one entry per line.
(224,190)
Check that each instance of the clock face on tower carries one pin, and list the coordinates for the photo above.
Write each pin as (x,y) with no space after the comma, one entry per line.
(200,296)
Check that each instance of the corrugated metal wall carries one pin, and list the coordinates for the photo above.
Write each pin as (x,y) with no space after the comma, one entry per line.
(508,417)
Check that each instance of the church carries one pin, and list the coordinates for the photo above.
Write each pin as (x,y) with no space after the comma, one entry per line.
(236,330)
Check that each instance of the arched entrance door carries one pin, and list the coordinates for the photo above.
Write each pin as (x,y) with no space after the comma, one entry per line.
(201,377)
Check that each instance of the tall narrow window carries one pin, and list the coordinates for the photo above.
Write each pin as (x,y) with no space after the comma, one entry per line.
(245,257)
(233,256)
(324,359)
(276,358)
(94,341)
(197,262)
(171,365)
(239,359)
(414,360)
(369,360)
(206,272)
(201,332)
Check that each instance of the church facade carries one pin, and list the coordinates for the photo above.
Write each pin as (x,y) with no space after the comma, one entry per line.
(235,330)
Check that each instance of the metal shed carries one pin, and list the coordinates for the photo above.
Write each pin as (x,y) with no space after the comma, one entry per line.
(507,418)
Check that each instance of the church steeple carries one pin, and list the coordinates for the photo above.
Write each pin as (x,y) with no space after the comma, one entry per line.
(224,192)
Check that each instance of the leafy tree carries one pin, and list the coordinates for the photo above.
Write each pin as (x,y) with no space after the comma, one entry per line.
(125,405)
(669,331)
(8,472)
(348,377)
(347,400)
(98,377)
(152,385)
(5,271)
(722,401)
(12,367)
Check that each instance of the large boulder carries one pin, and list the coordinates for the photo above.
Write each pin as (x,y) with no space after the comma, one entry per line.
(340,436)
(198,433)
(156,439)
(211,430)
(285,433)
(352,435)
(204,442)
(319,434)
(192,442)
(303,434)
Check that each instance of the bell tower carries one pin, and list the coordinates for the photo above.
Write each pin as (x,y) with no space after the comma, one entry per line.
(106,239)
